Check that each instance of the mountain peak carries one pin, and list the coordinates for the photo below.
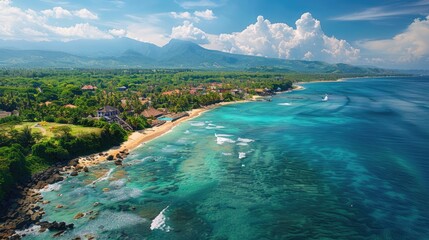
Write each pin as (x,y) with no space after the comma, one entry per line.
(175,43)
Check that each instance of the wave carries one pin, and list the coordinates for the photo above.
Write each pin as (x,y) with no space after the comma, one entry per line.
(159,222)
(245,140)
(197,124)
(285,104)
(102,178)
(242,144)
(241,155)
(226,154)
(51,187)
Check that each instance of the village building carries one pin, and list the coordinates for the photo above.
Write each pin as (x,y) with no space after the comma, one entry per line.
(4,114)
(107,111)
(175,91)
(144,101)
(70,106)
(122,89)
(152,113)
(89,88)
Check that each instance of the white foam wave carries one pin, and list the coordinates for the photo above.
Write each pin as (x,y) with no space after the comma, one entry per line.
(102,178)
(197,124)
(159,222)
(245,140)
(123,194)
(241,155)
(51,187)
(118,183)
(242,144)
(223,135)
(222,140)
(284,104)
(226,154)
(187,132)
(32,230)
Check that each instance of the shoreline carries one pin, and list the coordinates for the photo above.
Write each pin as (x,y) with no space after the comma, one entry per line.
(26,202)
(137,138)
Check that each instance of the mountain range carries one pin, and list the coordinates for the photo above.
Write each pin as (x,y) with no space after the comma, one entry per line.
(128,53)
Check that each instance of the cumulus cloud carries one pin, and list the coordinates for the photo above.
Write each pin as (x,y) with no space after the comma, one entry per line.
(182,15)
(57,12)
(196,16)
(80,30)
(85,14)
(409,46)
(189,32)
(307,41)
(118,32)
(206,15)
(29,24)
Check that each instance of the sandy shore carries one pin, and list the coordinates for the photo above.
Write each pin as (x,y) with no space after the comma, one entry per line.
(140,137)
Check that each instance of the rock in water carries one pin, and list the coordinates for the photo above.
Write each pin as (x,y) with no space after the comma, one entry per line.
(79,215)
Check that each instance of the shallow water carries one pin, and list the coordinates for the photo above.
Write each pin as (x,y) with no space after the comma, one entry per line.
(354,167)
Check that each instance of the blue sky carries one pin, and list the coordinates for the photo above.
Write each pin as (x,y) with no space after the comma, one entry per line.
(391,33)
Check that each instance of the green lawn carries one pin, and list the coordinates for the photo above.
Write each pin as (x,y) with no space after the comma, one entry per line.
(46,129)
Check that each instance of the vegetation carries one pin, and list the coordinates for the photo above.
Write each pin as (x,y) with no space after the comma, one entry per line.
(54,120)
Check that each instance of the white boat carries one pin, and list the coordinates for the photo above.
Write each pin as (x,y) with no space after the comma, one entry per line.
(325,98)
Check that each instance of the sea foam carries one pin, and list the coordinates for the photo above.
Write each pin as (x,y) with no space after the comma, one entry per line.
(51,187)
(197,124)
(159,222)
(102,178)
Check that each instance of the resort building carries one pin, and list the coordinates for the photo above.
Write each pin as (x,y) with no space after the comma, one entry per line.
(107,111)
(152,113)
(122,89)
(4,114)
(89,88)
(70,106)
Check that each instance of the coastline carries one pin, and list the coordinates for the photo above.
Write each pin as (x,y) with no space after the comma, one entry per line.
(137,138)
(24,210)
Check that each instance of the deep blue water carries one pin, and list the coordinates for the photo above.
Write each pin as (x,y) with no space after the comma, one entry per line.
(353,167)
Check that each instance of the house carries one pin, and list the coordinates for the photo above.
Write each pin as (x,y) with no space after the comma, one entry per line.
(152,113)
(4,114)
(176,91)
(122,89)
(107,111)
(144,101)
(70,106)
(89,88)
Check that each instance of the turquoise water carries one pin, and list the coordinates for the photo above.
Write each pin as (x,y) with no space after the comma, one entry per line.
(353,167)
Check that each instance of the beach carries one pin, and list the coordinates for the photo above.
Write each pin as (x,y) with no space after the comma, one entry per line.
(138,138)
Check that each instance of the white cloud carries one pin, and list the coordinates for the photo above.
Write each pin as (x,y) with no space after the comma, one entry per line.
(118,32)
(17,23)
(80,30)
(146,33)
(183,15)
(57,12)
(207,14)
(279,40)
(410,46)
(189,32)
(387,11)
(85,14)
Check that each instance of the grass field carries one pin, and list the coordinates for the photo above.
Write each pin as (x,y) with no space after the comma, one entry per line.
(46,129)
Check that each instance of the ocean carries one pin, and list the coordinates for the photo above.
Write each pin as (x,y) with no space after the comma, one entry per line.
(353,167)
